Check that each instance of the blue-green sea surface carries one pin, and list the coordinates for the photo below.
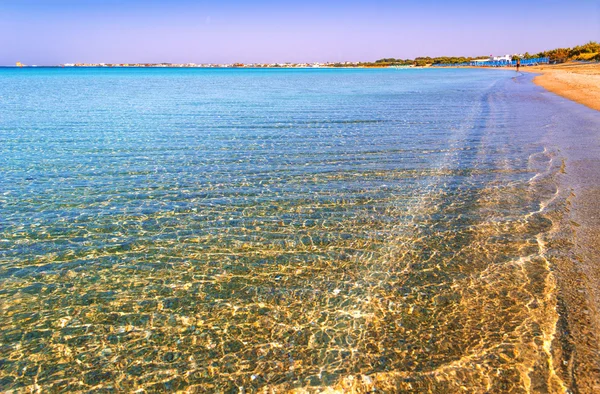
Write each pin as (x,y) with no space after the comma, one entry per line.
(248,230)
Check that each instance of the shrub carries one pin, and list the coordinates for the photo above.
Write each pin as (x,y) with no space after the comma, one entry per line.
(590,47)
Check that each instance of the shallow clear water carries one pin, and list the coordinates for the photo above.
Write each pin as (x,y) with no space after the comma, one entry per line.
(230,230)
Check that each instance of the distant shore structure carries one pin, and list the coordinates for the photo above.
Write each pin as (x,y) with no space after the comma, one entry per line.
(212,65)
(498,61)
(589,52)
(492,61)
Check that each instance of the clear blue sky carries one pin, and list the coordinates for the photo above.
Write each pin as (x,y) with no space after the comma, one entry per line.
(64,31)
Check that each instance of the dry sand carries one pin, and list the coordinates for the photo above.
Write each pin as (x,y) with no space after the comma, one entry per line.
(575,81)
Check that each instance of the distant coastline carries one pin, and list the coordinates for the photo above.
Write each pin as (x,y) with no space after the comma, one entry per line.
(208,65)
(586,52)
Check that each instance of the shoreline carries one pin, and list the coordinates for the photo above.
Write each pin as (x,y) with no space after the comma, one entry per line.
(576,267)
(577,272)
(574,81)
(578,82)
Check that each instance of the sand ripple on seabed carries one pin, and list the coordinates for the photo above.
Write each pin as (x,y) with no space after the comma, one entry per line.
(507,307)
(311,294)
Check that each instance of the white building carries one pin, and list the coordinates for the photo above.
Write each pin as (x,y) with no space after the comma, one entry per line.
(505,58)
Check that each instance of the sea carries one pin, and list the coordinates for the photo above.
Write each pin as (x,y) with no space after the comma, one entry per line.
(307,230)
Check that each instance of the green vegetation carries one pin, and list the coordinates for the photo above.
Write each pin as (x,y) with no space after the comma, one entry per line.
(395,62)
(423,61)
(589,51)
(591,48)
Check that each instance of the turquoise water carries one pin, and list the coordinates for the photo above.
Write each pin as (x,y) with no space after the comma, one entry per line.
(241,230)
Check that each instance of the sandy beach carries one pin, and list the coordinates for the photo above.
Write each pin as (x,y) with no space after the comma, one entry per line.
(575,81)
(578,274)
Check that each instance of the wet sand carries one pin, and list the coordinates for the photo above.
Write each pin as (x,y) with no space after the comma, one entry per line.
(579,285)
(575,81)
(578,270)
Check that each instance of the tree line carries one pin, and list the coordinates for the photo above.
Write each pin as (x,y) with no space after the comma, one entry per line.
(589,51)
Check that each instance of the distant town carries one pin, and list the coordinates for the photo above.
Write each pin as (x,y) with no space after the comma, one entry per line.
(418,62)
(382,63)
(213,65)
(589,52)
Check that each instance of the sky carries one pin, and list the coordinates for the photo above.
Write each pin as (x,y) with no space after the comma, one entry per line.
(46,32)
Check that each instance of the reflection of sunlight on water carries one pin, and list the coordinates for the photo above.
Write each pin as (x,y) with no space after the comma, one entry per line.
(303,267)
(312,296)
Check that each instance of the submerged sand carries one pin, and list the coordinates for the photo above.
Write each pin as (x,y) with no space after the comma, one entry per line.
(575,81)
